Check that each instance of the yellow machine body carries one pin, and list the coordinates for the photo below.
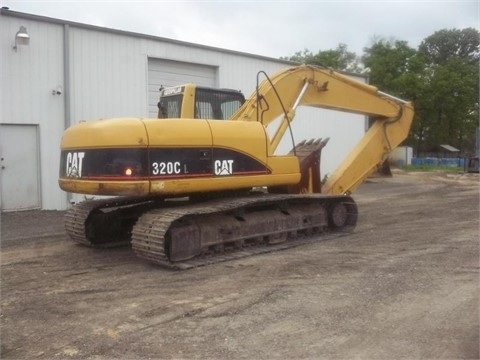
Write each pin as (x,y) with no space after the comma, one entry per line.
(236,153)
(234,141)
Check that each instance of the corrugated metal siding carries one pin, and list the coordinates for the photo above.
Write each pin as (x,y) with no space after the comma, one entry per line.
(166,73)
(343,129)
(110,76)
(28,77)
(107,75)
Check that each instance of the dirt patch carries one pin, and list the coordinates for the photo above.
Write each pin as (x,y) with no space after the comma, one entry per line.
(25,225)
(403,285)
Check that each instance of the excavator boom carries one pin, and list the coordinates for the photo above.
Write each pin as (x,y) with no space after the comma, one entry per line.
(306,85)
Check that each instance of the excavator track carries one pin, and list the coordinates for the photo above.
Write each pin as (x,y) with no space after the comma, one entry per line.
(179,234)
(189,235)
(105,223)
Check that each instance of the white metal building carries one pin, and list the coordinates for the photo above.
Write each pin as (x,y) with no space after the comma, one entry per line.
(70,72)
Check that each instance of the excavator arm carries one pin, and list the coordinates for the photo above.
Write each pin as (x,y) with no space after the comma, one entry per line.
(371,151)
(280,95)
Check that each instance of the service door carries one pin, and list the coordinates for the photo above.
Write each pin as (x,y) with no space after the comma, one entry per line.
(19,161)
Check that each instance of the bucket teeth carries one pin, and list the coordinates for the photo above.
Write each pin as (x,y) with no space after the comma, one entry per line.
(308,153)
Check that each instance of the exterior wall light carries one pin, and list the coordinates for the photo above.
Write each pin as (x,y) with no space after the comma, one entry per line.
(21,38)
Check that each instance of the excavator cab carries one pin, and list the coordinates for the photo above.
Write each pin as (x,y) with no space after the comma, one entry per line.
(221,104)
(206,103)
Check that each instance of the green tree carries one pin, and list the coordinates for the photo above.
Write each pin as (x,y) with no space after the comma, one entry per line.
(396,68)
(393,66)
(441,77)
(445,45)
(339,59)
(452,87)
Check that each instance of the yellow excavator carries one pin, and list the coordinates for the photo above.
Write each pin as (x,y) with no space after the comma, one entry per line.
(202,183)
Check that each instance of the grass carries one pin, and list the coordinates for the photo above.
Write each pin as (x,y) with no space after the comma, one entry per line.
(432,168)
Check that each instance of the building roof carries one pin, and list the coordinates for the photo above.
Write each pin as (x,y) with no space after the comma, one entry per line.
(449,148)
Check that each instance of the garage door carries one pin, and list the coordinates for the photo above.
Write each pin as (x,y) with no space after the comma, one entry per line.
(170,73)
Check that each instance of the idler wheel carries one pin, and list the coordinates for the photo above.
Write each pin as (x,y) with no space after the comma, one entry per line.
(338,215)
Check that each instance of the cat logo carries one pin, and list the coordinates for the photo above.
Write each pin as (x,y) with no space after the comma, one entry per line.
(223,167)
(73,164)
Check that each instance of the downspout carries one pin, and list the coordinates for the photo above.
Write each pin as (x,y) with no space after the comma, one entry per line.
(66,85)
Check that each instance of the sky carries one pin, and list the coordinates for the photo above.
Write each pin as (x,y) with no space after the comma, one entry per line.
(269,28)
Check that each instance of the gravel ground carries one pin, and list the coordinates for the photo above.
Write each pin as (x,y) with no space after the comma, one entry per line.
(404,285)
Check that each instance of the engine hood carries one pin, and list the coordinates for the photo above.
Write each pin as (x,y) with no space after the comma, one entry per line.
(117,132)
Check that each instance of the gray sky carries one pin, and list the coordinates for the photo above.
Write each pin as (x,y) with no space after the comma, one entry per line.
(270,28)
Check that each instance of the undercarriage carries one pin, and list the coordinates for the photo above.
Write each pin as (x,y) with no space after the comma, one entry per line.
(182,234)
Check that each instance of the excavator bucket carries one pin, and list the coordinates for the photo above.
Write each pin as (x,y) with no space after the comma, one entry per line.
(308,154)
(383,170)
